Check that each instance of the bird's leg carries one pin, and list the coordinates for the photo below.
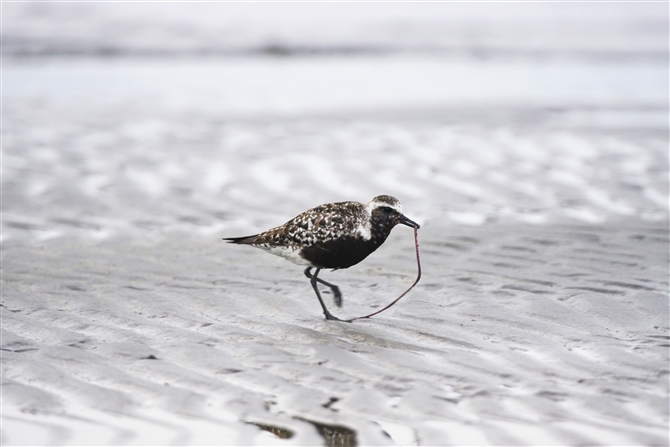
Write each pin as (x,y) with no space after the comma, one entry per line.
(337,295)
(314,280)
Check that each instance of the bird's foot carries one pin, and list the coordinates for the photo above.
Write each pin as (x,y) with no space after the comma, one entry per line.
(330,316)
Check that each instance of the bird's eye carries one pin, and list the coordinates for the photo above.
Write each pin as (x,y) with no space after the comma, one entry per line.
(387,209)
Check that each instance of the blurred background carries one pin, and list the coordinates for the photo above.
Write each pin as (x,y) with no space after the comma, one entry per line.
(139,119)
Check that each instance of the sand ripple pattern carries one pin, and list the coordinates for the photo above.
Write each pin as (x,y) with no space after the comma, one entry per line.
(554,335)
(137,173)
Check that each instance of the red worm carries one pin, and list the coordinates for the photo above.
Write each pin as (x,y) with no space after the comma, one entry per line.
(418,277)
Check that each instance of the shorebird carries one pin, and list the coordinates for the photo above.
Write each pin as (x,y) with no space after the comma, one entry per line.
(331,236)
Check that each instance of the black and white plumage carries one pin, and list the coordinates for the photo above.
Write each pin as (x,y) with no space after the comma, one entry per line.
(332,236)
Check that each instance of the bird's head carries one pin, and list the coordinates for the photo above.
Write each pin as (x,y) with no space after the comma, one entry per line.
(388,210)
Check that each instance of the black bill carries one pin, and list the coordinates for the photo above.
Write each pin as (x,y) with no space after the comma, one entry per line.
(406,221)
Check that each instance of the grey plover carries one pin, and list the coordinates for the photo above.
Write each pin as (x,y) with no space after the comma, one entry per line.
(332,236)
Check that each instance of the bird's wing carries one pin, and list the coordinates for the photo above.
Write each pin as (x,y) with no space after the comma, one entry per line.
(322,223)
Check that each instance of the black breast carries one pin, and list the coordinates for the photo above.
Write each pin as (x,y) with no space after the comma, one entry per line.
(339,253)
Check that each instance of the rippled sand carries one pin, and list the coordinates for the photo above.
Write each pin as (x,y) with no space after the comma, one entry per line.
(541,318)
(517,335)
(130,171)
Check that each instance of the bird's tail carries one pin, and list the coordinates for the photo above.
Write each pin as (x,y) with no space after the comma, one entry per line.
(248,240)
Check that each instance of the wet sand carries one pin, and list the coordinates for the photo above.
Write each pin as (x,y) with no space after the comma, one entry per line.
(516,335)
